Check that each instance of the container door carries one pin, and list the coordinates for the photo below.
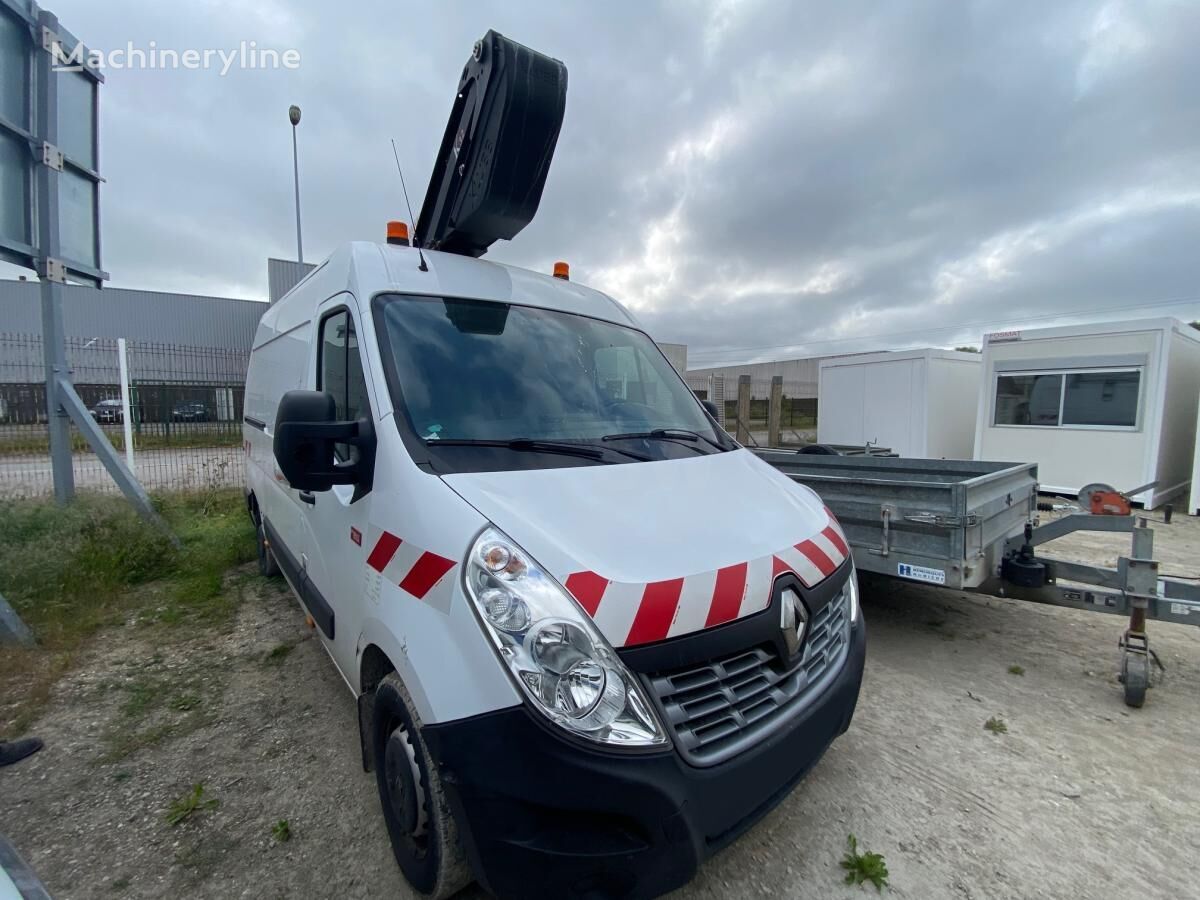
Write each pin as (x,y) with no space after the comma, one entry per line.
(840,413)
(889,406)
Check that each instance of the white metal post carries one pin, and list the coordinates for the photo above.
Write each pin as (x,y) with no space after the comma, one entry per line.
(123,365)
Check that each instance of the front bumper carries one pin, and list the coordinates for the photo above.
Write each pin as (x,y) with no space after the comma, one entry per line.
(543,816)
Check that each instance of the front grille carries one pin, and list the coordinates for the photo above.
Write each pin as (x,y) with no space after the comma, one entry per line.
(719,708)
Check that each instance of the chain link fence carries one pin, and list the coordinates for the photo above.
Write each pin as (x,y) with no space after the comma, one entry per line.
(185,414)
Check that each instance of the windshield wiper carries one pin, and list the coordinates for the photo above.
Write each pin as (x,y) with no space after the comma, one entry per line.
(534,446)
(664,434)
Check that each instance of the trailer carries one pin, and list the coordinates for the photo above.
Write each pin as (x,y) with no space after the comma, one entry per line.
(974,526)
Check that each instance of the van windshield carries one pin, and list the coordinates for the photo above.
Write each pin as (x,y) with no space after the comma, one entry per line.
(470,370)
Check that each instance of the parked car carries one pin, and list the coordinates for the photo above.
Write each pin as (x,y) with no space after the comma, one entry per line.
(108,411)
(189,412)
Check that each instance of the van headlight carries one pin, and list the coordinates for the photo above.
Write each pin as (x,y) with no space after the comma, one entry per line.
(563,664)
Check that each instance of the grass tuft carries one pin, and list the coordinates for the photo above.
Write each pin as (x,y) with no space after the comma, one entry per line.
(278,654)
(192,802)
(1016,670)
(996,725)
(70,571)
(864,867)
(282,831)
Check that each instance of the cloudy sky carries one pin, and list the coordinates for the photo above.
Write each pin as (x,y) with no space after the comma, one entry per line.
(756,179)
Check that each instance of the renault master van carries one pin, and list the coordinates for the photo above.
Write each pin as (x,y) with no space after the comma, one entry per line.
(592,639)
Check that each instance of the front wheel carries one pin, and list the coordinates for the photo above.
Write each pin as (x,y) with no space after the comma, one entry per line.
(420,824)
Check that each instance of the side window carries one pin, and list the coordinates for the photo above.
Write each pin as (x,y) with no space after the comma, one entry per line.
(340,371)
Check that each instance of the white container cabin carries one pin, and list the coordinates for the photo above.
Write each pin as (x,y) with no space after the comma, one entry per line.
(918,403)
(1114,403)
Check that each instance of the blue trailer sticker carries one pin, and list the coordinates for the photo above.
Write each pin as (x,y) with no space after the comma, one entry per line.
(920,573)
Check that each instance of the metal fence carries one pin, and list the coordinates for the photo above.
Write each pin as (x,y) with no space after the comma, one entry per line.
(185,414)
(798,409)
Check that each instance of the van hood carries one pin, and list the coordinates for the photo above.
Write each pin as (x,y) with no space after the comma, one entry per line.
(660,549)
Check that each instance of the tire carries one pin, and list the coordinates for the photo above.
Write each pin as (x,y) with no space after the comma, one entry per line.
(1135,675)
(419,821)
(268,567)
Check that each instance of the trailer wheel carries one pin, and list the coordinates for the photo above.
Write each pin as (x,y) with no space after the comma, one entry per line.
(268,566)
(1135,675)
(420,823)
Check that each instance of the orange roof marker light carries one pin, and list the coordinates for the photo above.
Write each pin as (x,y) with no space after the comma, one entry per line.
(397,233)
(562,270)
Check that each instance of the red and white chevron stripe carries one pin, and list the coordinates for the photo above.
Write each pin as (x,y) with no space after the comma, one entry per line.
(637,613)
(403,563)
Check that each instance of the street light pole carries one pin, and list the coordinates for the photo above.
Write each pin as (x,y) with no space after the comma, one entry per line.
(294,117)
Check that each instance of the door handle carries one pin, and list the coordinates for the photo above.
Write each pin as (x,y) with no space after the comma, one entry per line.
(308,497)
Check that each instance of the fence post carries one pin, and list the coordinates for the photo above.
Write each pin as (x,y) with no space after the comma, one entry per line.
(126,418)
(775,411)
(743,409)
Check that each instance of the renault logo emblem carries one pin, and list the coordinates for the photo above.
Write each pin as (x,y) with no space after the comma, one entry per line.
(793,619)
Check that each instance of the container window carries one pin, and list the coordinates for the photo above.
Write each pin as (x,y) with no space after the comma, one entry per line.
(1102,398)
(1028,399)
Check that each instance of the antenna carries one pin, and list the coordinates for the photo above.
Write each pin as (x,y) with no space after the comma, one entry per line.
(396,153)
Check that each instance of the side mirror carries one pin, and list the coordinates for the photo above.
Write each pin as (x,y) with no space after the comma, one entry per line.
(712,409)
(306,431)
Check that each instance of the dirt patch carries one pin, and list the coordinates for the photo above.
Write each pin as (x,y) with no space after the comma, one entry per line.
(1077,796)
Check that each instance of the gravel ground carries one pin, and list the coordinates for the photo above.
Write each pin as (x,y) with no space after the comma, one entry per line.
(1081,797)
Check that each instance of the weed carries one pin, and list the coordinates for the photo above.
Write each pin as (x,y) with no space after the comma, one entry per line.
(278,654)
(122,775)
(184,702)
(996,725)
(282,830)
(120,884)
(864,867)
(147,714)
(191,802)
(143,695)
(1016,670)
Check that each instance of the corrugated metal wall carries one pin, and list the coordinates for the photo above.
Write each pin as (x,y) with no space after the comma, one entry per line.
(800,374)
(283,275)
(676,354)
(194,321)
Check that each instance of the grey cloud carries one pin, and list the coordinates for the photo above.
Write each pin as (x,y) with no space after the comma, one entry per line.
(745,174)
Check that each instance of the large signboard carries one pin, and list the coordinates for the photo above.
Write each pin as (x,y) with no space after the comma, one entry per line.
(48,117)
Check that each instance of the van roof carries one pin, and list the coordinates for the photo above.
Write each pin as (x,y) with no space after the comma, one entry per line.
(366,269)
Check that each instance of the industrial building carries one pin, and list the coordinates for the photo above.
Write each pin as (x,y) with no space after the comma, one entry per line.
(802,375)
(182,348)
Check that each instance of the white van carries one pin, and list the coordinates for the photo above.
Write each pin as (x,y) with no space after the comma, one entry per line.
(592,639)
